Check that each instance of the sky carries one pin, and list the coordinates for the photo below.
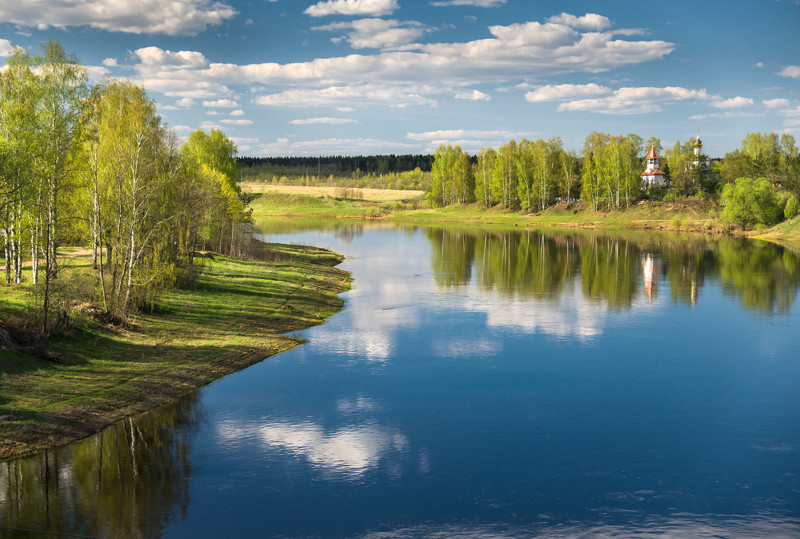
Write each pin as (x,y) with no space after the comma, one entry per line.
(360,77)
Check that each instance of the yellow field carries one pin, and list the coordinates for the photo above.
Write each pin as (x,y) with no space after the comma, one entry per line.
(372,195)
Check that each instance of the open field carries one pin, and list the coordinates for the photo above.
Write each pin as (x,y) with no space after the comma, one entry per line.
(370,195)
(232,317)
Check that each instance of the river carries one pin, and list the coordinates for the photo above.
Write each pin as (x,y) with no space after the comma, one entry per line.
(477,383)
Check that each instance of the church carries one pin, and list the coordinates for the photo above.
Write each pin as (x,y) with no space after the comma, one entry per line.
(652,175)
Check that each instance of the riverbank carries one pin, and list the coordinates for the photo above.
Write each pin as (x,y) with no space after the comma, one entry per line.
(683,215)
(232,317)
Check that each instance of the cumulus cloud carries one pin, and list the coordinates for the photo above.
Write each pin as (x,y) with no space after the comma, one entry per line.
(223,103)
(635,100)
(185,102)
(565,91)
(476,3)
(733,103)
(238,112)
(177,17)
(776,103)
(377,33)
(474,95)
(375,8)
(228,121)
(590,21)
(323,120)
(5,47)
(364,94)
(110,62)
(517,51)
(790,71)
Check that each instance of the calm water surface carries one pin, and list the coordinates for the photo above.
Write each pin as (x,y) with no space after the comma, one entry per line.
(477,383)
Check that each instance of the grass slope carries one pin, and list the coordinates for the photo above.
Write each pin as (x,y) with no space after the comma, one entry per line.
(230,319)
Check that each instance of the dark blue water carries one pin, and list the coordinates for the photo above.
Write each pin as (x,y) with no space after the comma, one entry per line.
(477,384)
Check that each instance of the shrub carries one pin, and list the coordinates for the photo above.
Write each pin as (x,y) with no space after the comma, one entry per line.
(749,202)
(791,208)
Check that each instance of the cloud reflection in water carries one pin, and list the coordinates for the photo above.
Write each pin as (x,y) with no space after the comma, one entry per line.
(351,450)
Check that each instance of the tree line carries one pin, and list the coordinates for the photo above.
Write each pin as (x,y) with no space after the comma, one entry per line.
(533,175)
(95,166)
(340,164)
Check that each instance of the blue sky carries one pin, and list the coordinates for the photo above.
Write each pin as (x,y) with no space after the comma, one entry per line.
(346,77)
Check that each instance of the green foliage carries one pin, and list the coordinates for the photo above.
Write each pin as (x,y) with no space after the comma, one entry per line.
(96,166)
(750,202)
(452,177)
(790,210)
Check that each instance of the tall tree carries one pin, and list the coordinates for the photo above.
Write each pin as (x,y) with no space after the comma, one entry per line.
(62,85)
(483,176)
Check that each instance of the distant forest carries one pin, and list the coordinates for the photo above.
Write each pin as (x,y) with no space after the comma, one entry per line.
(339,165)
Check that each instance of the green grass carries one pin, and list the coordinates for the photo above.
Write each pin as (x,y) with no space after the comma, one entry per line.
(272,204)
(230,319)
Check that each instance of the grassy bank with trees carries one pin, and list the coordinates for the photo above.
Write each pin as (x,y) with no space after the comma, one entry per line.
(95,373)
(120,288)
(539,183)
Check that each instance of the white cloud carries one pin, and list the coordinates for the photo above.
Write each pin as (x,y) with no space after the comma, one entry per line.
(468,134)
(377,33)
(758,64)
(723,115)
(790,71)
(590,21)
(185,102)
(635,100)
(776,103)
(474,95)
(324,120)
(733,103)
(476,3)
(181,128)
(565,91)
(337,146)
(364,94)
(517,51)
(210,125)
(376,8)
(223,103)
(238,112)
(110,62)
(228,121)
(176,17)
(5,47)
(96,73)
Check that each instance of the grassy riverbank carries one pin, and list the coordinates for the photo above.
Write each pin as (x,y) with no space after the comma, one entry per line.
(232,317)
(683,215)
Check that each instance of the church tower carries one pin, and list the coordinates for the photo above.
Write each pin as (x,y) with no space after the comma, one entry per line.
(699,158)
(651,174)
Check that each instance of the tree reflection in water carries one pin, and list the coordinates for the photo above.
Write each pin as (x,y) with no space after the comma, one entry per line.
(129,480)
(616,269)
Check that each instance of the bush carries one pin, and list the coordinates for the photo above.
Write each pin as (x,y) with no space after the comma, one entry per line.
(750,202)
(791,208)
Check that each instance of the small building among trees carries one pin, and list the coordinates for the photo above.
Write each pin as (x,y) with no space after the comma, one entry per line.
(652,175)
